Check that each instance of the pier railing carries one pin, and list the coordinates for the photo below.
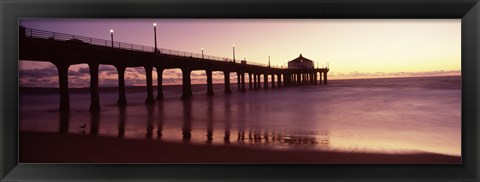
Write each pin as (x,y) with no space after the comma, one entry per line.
(42,34)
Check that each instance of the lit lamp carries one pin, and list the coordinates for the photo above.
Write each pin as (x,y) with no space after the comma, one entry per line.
(111,35)
(155,35)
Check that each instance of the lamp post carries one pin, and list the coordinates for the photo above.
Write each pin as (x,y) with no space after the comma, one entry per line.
(268,61)
(202,52)
(233,53)
(111,35)
(155,35)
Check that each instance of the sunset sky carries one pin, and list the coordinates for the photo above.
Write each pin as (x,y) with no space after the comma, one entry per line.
(353,48)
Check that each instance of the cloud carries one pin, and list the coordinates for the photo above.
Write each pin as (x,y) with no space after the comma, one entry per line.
(111,73)
(357,74)
(75,82)
(172,74)
(199,74)
(42,72)
(78,73)
(107,68)
(84,70)
(38,82)
(135,82)
(139,70)
(39,77)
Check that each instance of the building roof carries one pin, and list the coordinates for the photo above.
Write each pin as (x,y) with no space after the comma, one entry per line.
(300,59)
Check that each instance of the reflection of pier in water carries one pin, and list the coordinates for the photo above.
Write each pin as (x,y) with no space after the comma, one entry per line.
(244,134)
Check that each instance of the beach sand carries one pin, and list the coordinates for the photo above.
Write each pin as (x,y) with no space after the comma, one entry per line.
(45,147)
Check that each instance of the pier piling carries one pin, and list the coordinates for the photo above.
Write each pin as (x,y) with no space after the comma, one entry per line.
(94,94)
(122,99)
(63,87)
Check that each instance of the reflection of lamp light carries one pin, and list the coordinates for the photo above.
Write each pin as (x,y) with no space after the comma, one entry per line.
(155,35)
(111,35)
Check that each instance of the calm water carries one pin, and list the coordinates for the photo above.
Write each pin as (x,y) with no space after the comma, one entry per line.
(373,115)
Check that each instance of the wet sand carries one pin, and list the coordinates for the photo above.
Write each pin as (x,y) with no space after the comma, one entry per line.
(44,147)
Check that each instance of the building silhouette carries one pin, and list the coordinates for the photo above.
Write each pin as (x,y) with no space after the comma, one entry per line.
(300,63)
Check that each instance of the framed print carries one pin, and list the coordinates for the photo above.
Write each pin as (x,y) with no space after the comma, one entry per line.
(319,90)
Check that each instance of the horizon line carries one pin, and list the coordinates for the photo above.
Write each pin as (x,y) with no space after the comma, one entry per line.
(260,82)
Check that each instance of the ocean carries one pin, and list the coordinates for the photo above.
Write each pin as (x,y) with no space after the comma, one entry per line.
(385,115)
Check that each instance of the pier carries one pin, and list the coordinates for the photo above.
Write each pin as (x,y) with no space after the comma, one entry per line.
(64,50)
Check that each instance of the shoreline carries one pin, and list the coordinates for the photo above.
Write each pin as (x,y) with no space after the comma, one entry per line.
(45,147)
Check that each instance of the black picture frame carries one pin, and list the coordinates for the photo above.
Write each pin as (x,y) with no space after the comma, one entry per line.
(466,10)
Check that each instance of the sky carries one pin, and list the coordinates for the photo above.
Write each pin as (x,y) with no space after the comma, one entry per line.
(367,48)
